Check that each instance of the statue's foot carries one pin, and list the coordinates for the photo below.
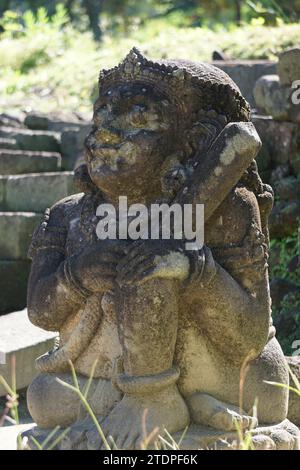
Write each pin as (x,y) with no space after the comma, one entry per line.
(209,411)
(136,421)
(284,436)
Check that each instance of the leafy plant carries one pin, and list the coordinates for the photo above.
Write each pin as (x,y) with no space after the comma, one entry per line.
(286,249)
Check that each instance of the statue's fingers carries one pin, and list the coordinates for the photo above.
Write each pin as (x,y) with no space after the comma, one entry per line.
(121,247)
(107,269)
(146,274)
(134,250)
(135,272)
(131,264)
(114,257)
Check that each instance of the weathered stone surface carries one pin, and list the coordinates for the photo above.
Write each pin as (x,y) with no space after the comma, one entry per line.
(279,139)
(13,162)
(25,341)
(27,192)
(274,99)
(284,219)
(288,66)
(281,436)
(245,73)
(13,284)
(16,229)
(72,145)
(135,306)
(32,140)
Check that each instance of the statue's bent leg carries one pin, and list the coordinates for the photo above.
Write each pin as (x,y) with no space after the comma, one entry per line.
(148,331)
(52,404)
(209,411)
(272,401)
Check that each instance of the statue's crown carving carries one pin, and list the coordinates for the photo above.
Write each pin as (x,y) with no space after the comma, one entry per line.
(187,84)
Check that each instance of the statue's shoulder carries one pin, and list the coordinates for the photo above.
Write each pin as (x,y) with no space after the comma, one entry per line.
(53,227)
(64,207)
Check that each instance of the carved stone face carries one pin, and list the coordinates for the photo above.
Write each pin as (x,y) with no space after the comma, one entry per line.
(133,132)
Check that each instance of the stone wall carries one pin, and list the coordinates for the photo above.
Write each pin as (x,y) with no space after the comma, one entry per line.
(277,119)
(37,156)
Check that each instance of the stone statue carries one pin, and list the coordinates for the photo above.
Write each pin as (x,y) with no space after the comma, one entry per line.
(171,329)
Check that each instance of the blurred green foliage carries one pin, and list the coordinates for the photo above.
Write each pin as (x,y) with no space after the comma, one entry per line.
(286,249)
(102,16)
(47,63)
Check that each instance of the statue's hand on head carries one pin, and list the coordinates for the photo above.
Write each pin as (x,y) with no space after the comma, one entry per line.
(150,259)
(94,268)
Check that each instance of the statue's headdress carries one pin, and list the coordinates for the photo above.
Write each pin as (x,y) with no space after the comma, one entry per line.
(190,86)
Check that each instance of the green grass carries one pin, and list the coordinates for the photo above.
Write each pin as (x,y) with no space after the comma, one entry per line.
(50,66)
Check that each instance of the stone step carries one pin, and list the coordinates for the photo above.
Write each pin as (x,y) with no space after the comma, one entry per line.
(12,119)
(8,143)
(274,99)
(9,435)
(26,342)
(72,145)
(16,229)
(13,285)
(34,192)
(32,140)
(14,162)
(279,139)
(56,122)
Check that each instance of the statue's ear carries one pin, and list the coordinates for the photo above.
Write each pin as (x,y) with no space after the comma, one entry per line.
(174,174)
(205,130)
(82,180)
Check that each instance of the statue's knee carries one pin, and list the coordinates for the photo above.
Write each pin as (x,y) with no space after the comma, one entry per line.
(272,400)
(50,403)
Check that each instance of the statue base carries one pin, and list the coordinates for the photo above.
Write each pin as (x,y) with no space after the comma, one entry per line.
(281,436)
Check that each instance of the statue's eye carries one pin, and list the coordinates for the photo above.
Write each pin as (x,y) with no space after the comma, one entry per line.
(104,107)
(100,113)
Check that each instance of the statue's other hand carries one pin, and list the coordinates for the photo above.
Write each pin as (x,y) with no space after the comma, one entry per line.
(149,259)
(95,267)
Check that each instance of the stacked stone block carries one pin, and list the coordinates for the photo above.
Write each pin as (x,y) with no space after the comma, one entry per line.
(35,171)
(277,119)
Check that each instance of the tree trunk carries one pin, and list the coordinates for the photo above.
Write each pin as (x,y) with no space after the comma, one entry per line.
(93,9)
(238,10)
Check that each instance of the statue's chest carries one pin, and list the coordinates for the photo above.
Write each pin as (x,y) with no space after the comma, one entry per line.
(82,224)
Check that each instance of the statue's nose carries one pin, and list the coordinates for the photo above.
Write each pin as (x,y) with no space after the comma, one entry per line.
(108,135)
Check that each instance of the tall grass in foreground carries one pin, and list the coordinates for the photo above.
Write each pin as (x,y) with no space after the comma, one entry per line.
(11,414)
(244,440)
